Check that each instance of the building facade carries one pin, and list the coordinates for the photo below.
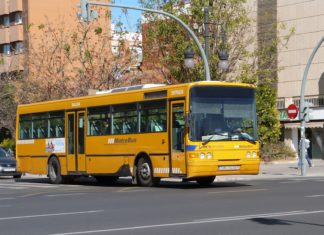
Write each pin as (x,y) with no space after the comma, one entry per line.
(302,20)
(306,20)
(11,36)
(18,16)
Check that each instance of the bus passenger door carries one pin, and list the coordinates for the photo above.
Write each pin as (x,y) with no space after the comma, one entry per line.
(75,142)
(178,160)
(81,161)
(70,143)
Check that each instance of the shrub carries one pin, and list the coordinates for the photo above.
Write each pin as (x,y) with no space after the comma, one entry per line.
(8,144)
(276,151)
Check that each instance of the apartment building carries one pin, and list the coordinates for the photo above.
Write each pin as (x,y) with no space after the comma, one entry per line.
(305,18)
(11,35)
(16,16)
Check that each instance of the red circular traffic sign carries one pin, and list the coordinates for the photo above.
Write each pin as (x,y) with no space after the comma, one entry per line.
(292,111)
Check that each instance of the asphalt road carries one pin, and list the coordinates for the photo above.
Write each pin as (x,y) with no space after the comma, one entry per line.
(277,206)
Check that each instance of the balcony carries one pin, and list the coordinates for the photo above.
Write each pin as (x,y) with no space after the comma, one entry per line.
(16,33)
(4,35)
(15,5)
(4,7)
(11,63)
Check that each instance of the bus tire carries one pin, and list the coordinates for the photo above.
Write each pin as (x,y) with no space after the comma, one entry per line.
(144,173)
(205,181)
(54,171)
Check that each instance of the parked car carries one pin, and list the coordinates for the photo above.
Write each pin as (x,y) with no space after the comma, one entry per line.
(8,165)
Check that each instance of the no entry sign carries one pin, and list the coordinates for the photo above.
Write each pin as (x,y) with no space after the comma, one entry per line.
(292,111)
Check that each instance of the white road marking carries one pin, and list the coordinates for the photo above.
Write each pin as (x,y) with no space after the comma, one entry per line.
(29,185)
(318,195)
(251,216)
(12,187)
(48,215)
(64,194)
(291,182)
(7,198)
(204,221)
(239,191)
(131,191)
(5,206)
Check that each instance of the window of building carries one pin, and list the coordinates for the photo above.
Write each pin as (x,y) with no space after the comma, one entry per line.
(19,47)
(18,18)
(6,21)
(6,49)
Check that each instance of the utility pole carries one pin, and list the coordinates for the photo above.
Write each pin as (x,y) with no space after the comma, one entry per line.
(304,111)
(206,24)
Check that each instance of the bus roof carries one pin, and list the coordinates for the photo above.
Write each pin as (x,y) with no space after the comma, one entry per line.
(115,94)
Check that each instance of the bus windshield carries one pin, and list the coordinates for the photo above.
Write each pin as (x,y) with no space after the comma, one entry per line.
(221,113)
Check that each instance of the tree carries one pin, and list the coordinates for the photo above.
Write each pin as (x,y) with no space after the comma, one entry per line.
(8,103)
(250,60)
(65,61)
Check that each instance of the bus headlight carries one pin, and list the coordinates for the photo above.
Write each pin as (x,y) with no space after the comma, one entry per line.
(209,155)
(254,154)
(193,155)
(202,155)
(248,154)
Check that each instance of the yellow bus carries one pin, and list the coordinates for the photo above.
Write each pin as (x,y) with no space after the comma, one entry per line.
(193,131)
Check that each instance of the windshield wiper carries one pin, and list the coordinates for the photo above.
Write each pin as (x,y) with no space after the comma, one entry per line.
(213,134)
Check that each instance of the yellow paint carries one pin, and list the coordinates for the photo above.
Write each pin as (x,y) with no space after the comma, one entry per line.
(103,154)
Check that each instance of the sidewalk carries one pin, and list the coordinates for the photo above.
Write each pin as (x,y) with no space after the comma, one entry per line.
(280,170)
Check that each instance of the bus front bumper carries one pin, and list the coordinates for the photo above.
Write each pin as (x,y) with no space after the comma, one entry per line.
(214,168)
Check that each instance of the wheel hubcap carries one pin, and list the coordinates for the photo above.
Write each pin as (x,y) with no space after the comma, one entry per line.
(145,171)
(52,172)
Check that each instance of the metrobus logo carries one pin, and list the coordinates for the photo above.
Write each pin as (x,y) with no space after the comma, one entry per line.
(111,140)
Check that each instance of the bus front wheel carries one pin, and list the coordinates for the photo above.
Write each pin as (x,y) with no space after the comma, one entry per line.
(54,171)
(205,181)
(145,173)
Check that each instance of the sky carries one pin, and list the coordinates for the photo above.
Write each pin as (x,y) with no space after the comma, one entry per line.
(133,15)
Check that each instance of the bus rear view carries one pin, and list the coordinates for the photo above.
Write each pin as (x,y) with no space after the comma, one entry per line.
(222,137)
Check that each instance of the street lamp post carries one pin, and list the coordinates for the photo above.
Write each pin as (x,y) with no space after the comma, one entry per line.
(86,15)
(189,57)
(303,108)
(222,54)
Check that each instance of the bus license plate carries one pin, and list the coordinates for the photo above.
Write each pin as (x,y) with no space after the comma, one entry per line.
(228,168)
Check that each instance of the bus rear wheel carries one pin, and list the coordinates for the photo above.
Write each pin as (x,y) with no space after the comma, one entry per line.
(54,171)
(205,181)
(144,173)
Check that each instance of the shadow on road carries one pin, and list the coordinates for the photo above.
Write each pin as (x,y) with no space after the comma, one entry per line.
(127,182)
(272,221)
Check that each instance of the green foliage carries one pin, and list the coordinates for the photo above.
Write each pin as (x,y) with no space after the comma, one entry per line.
(7,102)
(168,39)
(268,122)
(87,55)
(8,144)
(66,48)
(276,151)
(98,30)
